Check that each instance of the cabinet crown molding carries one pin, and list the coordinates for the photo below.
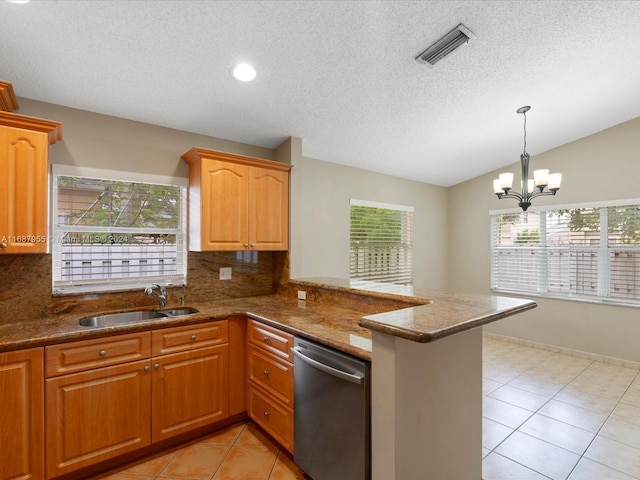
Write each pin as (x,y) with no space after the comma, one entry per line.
(53,129)
(8,100)
(197,153)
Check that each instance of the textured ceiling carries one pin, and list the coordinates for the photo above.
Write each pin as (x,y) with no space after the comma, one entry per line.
(339,74)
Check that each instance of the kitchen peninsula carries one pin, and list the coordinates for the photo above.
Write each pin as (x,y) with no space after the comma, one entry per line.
(426,384)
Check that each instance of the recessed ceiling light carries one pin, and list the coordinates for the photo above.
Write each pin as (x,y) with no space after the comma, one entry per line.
(18,1)
(244,72)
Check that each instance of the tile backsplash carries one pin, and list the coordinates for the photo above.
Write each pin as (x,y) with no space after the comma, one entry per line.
(25,291)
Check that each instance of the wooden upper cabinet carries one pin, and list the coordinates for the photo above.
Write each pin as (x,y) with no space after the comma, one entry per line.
(24,143)
(237,202)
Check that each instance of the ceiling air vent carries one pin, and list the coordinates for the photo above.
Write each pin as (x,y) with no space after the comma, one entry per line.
(447,44)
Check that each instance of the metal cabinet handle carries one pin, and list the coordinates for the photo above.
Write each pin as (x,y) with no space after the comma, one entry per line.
(265,339)
(266,373)
(266,414)
(246,245)
(156,366)
(147,368)
(103,353)
(193,337)
(3,245)
(253,245)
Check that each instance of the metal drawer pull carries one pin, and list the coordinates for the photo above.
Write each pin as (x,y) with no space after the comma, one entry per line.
(156,366)
(193,337)
(103,353)
(147,368)
(266,414)
(266,373)
(265,339)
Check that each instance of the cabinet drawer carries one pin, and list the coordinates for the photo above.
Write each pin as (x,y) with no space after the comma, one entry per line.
(272,374)
(99,352)
(270,339)
(273,417)
(188,337)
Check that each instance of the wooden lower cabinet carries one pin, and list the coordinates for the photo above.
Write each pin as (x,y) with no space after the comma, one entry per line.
(96,415)
(270,381)
(22,415)
(274,417)
(189,390)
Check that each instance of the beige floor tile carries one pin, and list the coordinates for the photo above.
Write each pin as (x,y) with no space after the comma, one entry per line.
(504,413)
(628,413)
(497,467)
(196,462)
(535,385)
(558,433)
(576,416)
(604,385)
(247,463)
(493,433)
(520,398)
(590,470)
(624,432)
(489,386)
(539,456)
(632,397)
(615,455)
(578,398)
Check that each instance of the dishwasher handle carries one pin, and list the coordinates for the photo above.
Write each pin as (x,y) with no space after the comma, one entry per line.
(349,377)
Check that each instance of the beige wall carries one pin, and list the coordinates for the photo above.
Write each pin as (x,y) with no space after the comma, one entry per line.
(320,193)
(603,166)
(100,141)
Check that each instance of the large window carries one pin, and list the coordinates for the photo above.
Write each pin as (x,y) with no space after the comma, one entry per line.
(117,235)
(586,252)
(381,245)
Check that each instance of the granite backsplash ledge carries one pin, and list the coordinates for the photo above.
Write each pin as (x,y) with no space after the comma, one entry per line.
(25,292)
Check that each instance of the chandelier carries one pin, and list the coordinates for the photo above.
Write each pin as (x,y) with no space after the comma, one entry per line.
(543,183)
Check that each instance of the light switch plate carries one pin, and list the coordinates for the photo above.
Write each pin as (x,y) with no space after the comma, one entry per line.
(225,273)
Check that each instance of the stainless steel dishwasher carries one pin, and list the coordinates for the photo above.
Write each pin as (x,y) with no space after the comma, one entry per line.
(332,413)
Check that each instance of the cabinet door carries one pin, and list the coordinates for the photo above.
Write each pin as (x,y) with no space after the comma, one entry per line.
(23,191)
(22,415)
(268,209)
(224,206)
(189,390)
(96,415)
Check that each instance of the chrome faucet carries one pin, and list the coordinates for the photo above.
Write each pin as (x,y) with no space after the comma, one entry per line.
(161,294)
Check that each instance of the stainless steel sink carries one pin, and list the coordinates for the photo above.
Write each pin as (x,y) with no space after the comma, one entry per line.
(110,319)
(175,312)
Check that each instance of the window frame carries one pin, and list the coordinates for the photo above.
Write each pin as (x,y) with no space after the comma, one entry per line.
(603,252)
(105,284)
(406,244)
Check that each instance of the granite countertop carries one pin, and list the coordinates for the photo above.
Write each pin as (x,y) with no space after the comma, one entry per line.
(333,326)
(437,314)
(428,316)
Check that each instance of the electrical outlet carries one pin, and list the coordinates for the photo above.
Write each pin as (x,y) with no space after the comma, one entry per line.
(225,273)
(302,295)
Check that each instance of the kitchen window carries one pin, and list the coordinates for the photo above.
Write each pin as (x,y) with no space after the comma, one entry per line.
(381,244)
(117,234)
(586,252)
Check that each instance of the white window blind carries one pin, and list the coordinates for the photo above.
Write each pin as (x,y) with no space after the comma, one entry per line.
(117,235)
(590,252)
(381,242)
